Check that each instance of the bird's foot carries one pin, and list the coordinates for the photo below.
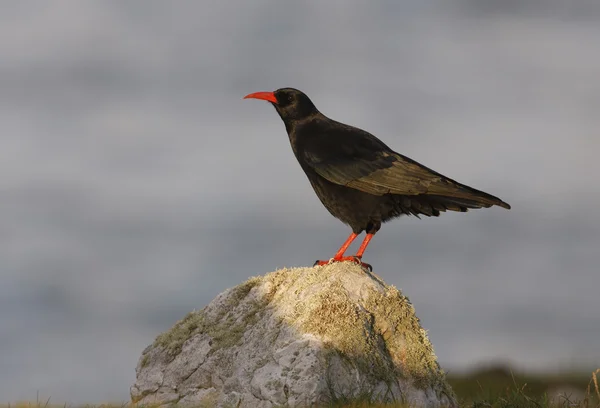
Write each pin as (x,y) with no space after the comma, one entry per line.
(355,259)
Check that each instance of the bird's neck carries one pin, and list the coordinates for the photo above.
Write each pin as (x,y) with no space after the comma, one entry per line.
(289,127)
(297,130)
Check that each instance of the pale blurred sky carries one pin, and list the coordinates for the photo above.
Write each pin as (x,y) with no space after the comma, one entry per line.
(136,184)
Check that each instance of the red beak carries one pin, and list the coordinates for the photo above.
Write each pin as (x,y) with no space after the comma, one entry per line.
(266,96)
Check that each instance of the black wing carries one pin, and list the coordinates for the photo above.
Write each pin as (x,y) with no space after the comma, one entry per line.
(354,158)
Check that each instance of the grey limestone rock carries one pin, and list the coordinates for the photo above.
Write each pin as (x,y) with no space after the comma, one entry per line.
(292,338)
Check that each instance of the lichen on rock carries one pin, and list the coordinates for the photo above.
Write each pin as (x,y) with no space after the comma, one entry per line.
(294,337)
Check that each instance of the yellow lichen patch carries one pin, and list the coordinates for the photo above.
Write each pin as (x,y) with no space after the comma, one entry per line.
(406,341)
(336,320)
(380,332)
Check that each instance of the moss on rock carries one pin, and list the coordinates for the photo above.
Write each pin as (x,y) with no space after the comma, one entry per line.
(173,339)
(225,328)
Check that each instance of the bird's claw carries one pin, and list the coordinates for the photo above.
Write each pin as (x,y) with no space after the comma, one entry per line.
(363,264)
(358,260)
(354,259)
(318,262)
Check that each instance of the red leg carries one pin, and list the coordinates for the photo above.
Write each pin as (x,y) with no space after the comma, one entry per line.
(344,247)
(358,257)
(339,256)
(340,253)
(364,245)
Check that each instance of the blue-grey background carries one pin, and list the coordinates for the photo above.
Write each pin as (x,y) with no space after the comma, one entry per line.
(136,184)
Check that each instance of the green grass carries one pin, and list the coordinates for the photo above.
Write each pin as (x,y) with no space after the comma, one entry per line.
(492,388)
(502,388)
(497,383)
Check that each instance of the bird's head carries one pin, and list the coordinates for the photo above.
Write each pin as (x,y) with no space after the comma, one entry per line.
(290,103)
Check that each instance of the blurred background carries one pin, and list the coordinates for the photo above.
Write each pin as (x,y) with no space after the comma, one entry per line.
(136,184)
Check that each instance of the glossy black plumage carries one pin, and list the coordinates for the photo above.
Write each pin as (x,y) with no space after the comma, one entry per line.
(358,178)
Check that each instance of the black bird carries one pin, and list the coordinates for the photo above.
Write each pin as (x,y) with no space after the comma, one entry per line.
(359,179)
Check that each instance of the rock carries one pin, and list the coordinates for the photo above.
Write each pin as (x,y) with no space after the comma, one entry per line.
(296,337)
